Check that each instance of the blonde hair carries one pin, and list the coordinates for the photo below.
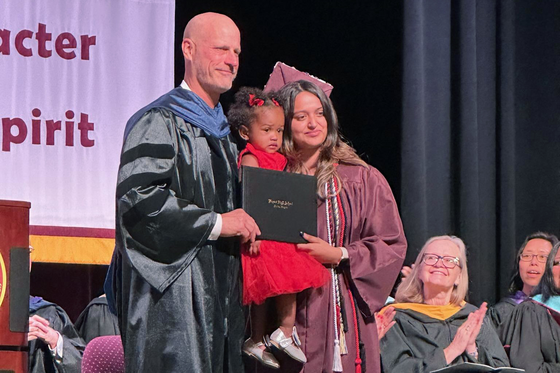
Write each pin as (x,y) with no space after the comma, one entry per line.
(333,150)
(411,289)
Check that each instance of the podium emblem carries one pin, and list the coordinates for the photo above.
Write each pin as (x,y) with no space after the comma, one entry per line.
(2,279)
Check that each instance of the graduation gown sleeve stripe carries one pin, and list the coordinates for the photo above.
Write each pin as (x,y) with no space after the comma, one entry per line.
(165,230)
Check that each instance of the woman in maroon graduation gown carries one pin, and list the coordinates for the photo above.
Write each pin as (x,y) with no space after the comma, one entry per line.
(360,236)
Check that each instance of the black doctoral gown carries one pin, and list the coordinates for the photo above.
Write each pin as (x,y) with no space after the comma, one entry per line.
(534,337)
(415,343)
(177,293)
(40,357)
(96,320)
(501,312)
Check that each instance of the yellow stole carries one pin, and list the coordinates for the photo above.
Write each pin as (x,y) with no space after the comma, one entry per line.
(435,312)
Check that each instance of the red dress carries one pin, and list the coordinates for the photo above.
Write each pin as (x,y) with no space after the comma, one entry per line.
(279,268)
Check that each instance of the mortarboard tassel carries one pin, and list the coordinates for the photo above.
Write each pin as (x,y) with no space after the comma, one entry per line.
(343,347)
(337,361)
(358,365)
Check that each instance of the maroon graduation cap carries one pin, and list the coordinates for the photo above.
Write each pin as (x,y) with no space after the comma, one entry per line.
(283,74)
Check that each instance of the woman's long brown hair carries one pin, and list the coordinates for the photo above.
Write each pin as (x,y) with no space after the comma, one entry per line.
(334,149)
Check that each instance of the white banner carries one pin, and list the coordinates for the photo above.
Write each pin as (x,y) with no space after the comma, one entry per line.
(71,74)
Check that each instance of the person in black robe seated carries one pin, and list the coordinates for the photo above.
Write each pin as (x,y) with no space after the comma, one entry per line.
(533,332)
(54,344)
(96,320)
(527,272)
(434,327)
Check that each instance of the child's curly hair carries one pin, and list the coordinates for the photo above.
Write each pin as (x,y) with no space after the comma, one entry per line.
(243,110)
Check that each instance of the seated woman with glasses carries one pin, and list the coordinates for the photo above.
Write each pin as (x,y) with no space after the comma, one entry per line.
(527,272)
(532,331)
(434,327)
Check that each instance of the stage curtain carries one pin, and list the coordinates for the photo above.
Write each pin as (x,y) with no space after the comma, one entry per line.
(480,129)
(71,75)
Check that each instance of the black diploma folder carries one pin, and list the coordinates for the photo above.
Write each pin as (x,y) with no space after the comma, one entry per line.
(475,368)
(282,203)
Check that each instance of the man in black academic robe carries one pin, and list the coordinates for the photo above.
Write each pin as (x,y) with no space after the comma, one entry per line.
(175,274)
(96,320)
(66,353)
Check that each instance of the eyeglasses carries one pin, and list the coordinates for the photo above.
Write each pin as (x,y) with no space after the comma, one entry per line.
(449,262)
(528,257)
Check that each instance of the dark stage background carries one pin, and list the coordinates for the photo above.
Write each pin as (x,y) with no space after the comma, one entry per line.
(455,102)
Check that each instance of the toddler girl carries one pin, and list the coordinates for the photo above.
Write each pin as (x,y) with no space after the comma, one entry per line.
(271,269)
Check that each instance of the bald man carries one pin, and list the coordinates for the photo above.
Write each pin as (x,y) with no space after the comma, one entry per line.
(175,270)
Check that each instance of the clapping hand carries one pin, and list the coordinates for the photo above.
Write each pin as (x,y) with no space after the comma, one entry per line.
(39,329)
(406,271)
(465,338)
(478,319)
(384,321)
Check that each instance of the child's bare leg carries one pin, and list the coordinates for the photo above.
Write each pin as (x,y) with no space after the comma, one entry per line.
(258,322)
(286,306)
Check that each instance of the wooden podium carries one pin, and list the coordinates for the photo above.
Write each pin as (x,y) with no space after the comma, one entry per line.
(14,285)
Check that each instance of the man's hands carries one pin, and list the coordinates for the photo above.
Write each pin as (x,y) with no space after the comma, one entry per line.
(39,329)
(238,223)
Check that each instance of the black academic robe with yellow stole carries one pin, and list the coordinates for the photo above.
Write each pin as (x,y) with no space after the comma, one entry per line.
(500,313)
(415,343)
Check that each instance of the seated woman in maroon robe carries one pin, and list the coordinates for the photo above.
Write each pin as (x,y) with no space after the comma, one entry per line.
(360,237)
(434,327)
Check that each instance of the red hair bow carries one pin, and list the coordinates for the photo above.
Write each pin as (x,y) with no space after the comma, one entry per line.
(255,101)
(275,102)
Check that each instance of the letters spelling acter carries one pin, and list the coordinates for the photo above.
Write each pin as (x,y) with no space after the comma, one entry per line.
(64,44)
